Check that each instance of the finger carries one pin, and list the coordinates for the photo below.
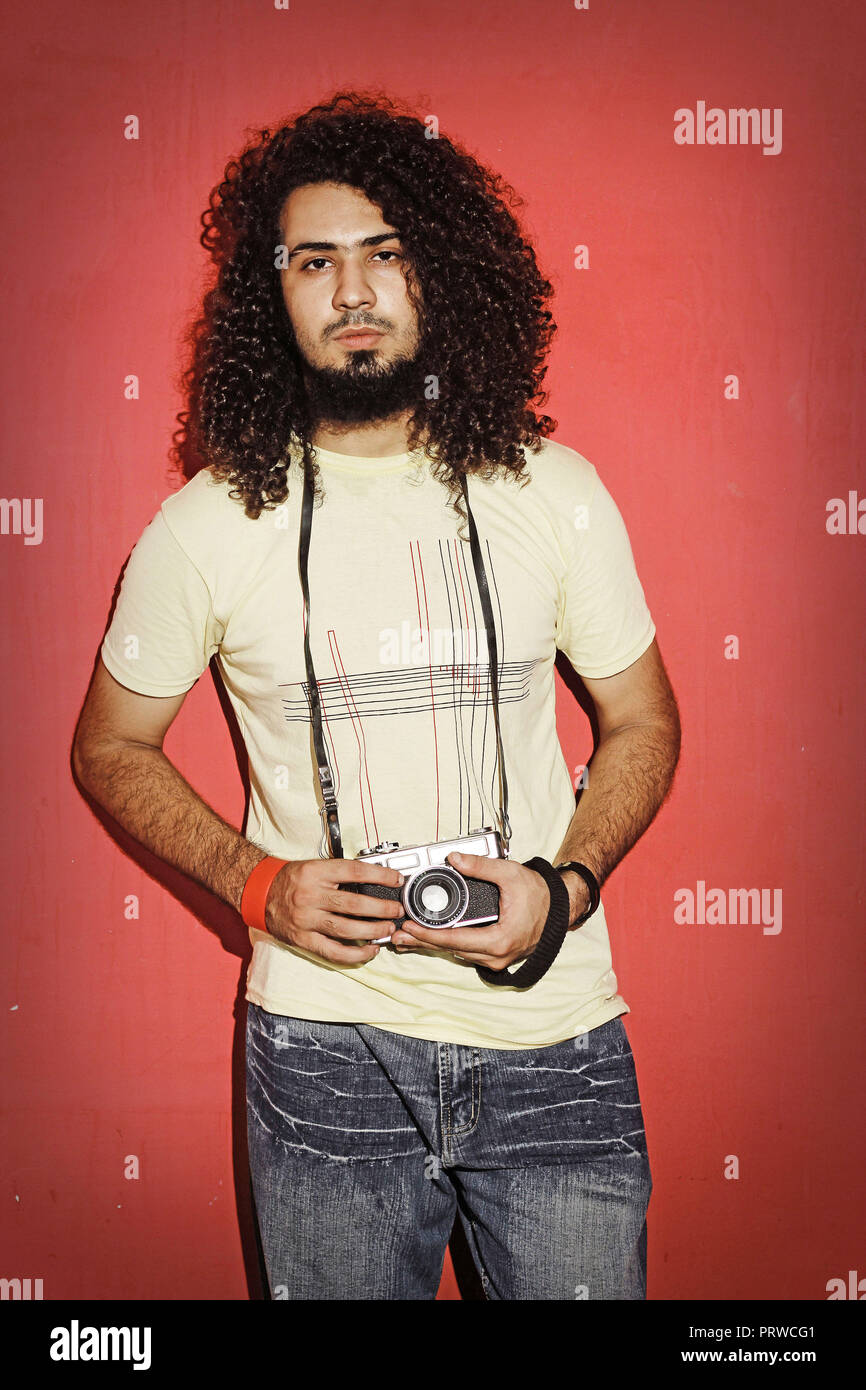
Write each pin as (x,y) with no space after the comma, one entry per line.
(401,938)
(404,942)
(474,939)
(357,870)
(339,953)
(473,958)
(482,866)
(342,871)
(350,904)
(335,927)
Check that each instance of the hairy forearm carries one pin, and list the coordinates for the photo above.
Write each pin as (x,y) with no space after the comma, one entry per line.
(146,794)
(628,778)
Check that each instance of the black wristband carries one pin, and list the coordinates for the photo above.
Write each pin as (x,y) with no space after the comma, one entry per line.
(591,882)
(555,928)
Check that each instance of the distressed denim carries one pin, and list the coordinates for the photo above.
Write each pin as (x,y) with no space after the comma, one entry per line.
(363,1144)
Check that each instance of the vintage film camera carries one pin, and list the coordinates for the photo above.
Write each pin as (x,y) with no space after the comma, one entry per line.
(433,893)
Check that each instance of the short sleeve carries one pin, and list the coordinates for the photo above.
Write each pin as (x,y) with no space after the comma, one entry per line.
(604,623)
(163,632)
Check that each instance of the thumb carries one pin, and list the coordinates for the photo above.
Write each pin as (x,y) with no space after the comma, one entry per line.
(479,866)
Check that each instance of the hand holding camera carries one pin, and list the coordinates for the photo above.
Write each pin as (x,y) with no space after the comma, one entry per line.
(524,901)
(311,905)
(433,893)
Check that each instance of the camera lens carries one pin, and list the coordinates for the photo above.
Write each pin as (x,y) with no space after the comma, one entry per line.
(434,897)
(437,897)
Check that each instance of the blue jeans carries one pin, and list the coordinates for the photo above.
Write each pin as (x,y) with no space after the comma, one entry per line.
(364,1143)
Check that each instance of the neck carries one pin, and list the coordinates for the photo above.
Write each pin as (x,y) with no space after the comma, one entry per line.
(376,439)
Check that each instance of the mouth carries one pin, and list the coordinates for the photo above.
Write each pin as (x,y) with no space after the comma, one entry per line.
(359,337)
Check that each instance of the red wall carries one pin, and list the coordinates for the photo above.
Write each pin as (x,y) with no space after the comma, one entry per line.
(119,1035)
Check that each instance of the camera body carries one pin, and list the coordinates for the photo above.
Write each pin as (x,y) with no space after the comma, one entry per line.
(433,893)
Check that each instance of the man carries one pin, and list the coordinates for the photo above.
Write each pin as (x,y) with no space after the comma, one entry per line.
(378,327)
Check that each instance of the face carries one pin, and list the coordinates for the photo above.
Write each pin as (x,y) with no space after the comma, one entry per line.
(347,272)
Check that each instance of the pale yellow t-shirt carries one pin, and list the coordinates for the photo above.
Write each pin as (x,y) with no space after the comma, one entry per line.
(398,642)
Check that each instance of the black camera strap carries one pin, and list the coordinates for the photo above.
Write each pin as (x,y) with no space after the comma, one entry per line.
(550,941)
(329,813)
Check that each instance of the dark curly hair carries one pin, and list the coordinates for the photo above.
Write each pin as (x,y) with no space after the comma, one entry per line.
(482,313)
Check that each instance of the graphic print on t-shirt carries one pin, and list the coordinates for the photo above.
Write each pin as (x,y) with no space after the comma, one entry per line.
(437,669)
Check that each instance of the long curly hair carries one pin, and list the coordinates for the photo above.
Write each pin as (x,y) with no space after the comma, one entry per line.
(485,326)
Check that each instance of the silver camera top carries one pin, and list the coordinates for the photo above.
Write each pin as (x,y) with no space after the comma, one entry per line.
(412,858)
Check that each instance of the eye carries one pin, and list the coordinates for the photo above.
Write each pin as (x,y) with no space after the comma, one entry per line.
(323,260)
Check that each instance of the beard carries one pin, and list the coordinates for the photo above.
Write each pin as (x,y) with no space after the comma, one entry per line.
(366,389)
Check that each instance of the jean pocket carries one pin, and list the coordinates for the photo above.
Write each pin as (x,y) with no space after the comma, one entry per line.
(315,1089)
(576,1100)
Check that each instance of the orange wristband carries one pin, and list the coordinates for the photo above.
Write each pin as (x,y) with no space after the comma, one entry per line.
(256,888)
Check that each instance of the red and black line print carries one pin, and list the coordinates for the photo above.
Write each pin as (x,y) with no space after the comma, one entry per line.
(454,694)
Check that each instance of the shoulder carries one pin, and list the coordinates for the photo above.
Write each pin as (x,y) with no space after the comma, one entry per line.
(202,501)
(567,502)
(560,481)
(204,517)
(560,474)
(216,535)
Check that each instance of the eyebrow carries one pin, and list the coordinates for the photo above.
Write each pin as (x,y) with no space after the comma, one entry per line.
(339,246)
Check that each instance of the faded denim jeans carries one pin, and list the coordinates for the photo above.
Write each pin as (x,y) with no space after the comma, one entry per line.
(364,1143)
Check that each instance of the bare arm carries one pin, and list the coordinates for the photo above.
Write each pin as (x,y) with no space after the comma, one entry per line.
(629,774)
(117,755)
(313,904)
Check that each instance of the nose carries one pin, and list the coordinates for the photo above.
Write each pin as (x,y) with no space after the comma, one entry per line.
(353,289)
